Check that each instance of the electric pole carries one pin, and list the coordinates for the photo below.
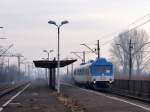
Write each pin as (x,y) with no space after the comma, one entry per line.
(8,65)
(130,59)
(98,49)
(19,63)
(28,72)
(83,56)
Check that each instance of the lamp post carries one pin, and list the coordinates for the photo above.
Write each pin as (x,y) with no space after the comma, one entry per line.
(58,54)
(46,70)
(48,52)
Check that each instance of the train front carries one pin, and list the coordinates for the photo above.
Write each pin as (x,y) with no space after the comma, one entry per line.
(102,74)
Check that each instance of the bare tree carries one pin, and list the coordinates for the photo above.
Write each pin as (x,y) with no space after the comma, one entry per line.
(120,50)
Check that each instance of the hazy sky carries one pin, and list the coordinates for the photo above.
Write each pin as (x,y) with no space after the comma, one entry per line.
(26,26)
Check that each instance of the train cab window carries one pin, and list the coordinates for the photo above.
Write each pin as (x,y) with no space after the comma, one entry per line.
(103,69)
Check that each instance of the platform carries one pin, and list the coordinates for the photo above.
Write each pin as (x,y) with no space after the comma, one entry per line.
(36,98)
(94,101)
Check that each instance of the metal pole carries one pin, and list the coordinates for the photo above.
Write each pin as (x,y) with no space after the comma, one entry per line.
(25,70)
(130,60)
(19,64)
(130,63)
(98,49)
(72,73)
(58,64)
(67,70)
(48,55)
(46,73)
(58,61)
(28,71)
(8,64)
(47,70)
(83,56)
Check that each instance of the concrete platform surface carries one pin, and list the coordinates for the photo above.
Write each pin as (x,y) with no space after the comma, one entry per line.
(98,102)
(36,98)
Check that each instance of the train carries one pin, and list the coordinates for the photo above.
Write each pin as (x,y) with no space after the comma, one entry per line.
(96,74)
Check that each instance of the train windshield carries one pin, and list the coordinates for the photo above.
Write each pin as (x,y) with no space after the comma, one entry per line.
(103,69)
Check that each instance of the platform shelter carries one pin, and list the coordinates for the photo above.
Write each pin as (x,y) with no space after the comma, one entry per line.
(52,65)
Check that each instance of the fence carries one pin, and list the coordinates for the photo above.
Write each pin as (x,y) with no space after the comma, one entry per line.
(139,88)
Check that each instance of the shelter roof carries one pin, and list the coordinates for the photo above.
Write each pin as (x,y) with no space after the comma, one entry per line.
(52,64)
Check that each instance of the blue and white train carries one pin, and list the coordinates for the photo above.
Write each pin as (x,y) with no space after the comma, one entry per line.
(97,74)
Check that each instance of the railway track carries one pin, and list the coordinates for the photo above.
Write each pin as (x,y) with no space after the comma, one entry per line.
(8,89)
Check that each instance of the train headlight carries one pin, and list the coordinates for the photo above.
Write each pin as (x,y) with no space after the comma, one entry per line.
(110,80)
(94,81)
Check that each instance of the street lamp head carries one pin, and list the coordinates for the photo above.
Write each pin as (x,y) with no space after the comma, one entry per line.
(48,51)
(52,22)
(82,44)
(64,22)
(44,50)
(3,38)
(51,51)
(1,27)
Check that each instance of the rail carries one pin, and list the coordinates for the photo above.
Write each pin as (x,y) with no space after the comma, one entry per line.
(8,89)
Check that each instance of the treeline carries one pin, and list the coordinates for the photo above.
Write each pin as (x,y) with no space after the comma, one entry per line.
(130,52)
(11,74)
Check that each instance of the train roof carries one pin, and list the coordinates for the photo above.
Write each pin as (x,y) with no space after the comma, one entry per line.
(101,61)
(98,61)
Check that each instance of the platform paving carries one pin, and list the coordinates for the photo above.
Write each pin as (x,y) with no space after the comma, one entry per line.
(36,98)
(98,103)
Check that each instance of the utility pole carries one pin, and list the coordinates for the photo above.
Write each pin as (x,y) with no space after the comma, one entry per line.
(25,69)
(98,49)
(19,63)
(28,71)
(14,55)
(72,69)
(83,56)
(8,65)
(130,59)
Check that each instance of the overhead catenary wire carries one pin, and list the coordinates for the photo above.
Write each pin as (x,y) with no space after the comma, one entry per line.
(147,16)
(139,19)
(139,25)
(135,27)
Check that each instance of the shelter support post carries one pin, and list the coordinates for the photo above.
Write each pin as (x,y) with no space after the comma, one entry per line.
(52,73)
(53,78)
